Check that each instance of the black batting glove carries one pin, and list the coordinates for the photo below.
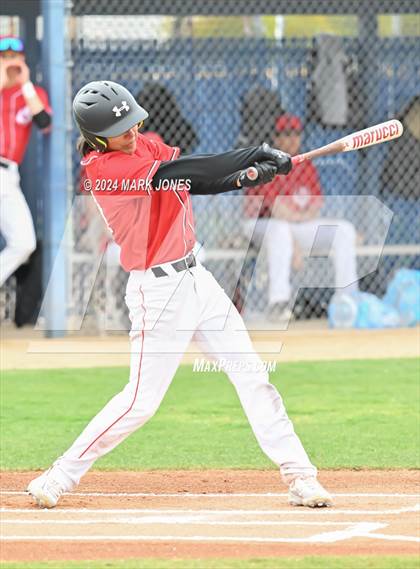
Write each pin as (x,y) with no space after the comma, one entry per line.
(266,171)
(282,160)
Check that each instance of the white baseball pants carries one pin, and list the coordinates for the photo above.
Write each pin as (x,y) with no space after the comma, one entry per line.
(165,313)
(278,237)
(15,223)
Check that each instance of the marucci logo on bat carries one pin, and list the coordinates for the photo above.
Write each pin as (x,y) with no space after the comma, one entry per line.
(375,135)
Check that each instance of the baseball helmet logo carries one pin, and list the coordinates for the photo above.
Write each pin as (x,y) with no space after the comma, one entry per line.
(124,107)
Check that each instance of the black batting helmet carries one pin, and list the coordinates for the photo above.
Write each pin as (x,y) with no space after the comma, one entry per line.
(102,109)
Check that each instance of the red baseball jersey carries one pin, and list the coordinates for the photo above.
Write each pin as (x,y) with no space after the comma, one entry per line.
(16,121)
(301,186)
(151,226)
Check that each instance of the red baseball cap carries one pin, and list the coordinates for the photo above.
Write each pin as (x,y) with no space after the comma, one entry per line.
(288,122)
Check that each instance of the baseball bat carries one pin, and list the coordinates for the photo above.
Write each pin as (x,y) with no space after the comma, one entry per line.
(361,139)
(251,173)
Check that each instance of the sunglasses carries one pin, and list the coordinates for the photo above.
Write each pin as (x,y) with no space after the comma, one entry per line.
(11,44)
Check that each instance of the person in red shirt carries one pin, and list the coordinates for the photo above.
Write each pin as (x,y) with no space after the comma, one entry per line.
(21,104)
(113,251)
(142,188)
(288,221)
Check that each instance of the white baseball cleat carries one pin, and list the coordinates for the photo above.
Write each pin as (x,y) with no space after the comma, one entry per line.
(309,492)
(45,490)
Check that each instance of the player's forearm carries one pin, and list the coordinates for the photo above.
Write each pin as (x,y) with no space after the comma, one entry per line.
(40,116)
(218,173)
(32,99)
(208,173)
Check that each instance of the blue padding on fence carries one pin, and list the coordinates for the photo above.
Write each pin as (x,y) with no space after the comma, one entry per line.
(395,79)
(210,76)
(405,225)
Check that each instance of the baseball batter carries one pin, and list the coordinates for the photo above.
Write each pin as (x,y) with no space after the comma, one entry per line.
(171,297)
(21,104)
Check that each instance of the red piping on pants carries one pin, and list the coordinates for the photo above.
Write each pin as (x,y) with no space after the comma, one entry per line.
(137,385)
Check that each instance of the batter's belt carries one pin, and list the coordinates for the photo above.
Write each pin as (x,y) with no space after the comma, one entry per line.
(181,265)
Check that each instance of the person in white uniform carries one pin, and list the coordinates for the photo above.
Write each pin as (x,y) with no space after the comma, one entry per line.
(21,104)
(171,297)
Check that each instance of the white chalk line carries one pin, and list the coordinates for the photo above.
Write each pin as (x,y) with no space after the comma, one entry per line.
(206,495)
(394,537)
(362,529)
(292,511)
(338,536)
(166,521)
(149,538)
(189,517)
(108,538)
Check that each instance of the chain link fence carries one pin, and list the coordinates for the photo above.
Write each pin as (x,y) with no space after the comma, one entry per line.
(220,80)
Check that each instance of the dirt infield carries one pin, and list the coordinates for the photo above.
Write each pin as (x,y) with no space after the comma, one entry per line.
(198,514)
(217,513)
(301,342)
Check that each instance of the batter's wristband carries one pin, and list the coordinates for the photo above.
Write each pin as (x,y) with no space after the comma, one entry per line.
(28,90)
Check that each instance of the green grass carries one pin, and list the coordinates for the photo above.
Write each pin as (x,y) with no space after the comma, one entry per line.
(353,562)
(348,414)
